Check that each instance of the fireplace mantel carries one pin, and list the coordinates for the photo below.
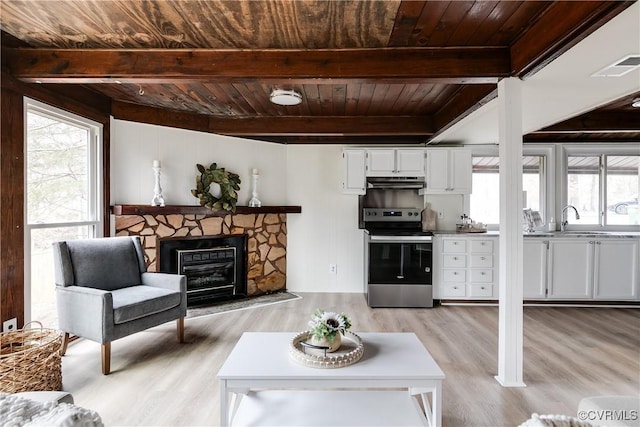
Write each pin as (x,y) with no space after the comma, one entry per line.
(199,210)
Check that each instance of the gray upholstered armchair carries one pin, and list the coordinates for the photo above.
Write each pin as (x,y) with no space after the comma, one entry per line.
(104,292)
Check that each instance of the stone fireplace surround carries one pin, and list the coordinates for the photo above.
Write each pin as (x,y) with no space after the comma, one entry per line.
(266,229)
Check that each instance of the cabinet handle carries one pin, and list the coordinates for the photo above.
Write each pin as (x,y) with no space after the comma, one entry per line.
(482,258)
(482,273)
(455,243)
(455,287)
(455,258)
(598,243)
(482,287)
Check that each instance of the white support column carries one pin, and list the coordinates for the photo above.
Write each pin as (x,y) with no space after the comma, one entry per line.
(510,328)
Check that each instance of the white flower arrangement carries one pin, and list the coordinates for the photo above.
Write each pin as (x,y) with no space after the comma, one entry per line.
(326,324)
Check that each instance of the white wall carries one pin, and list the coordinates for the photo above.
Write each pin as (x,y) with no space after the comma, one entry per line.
(134,146)
(327,231)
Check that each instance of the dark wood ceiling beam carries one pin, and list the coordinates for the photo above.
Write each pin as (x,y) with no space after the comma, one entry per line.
(467,100)
(453,65)
(273,126)
(608,138)
(597,122)
(159,116)
(562,26)
(324,126)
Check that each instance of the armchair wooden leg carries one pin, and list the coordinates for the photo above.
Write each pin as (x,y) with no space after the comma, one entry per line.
(180,322)
(65,343)
(106,358)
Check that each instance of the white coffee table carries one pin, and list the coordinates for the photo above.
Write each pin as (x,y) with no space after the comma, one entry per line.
(260,384)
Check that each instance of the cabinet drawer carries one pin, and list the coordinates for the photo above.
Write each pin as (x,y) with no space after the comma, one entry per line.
(482,246)
(453,290)
(454,275)
(481,261)
(483,275)
(454,246)
(454,261)
(480,290)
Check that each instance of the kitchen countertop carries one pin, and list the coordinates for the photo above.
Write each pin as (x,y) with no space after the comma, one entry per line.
(547,234)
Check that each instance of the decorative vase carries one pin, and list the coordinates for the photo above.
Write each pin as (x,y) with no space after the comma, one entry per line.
(325,342)
(255,202)
(158,199)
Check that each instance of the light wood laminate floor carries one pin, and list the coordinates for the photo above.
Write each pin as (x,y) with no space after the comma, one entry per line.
(569,353)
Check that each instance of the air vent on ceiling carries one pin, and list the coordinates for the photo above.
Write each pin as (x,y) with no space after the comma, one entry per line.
(620,67)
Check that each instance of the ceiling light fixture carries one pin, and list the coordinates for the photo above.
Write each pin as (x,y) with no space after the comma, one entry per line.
(636,103)
(285,97)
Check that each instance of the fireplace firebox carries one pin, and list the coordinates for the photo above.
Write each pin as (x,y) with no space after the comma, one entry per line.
(215,266)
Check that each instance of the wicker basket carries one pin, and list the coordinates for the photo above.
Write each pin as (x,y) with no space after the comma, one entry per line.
(30,360)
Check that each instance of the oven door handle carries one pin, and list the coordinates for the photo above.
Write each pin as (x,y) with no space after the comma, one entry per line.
(403,239)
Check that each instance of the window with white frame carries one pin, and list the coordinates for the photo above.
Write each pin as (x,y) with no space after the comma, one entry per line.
(484,202)
(603,187)
(63,179)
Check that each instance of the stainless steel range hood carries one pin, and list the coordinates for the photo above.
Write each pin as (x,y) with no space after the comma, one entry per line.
(396,182)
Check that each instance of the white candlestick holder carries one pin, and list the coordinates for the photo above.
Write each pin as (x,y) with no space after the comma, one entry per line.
(255,202)
(158,199)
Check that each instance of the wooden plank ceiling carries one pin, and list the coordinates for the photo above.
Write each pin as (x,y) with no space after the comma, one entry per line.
(368,71)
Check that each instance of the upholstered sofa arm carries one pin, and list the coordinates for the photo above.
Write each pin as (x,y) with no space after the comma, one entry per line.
(85,312)
(174,282)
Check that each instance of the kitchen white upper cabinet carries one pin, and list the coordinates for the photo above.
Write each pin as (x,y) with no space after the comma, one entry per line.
(354,171)
(395,162)
(616,269)
(570,269)
(448,171)
(410,161)
(535,268)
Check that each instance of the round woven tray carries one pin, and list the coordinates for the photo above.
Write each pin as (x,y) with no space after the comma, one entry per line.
(30,360)
(350,352)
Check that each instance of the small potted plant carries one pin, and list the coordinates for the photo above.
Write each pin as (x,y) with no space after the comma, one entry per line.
(327,327)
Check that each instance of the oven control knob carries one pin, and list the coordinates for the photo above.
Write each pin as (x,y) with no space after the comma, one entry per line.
(427,269)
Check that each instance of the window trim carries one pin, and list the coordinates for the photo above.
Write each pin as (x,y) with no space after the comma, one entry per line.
(584,149)
(548,175)
(96,183)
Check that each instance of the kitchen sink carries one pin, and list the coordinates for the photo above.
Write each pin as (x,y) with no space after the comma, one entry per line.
(588,233)
(571,233)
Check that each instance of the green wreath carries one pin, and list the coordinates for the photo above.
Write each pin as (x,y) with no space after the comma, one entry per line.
(229,186)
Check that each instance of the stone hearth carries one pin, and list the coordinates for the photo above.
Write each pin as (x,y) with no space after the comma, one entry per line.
(267,240)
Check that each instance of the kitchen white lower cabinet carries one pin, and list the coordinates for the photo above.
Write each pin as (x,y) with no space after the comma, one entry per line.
(570,269)
(616,269)
(581,269)
(535,268)
(467,268)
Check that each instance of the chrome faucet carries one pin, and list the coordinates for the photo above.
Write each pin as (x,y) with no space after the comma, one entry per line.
(564,222)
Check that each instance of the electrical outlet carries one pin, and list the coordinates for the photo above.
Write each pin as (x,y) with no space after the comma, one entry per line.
(10,325)
(333,268)
(440,214)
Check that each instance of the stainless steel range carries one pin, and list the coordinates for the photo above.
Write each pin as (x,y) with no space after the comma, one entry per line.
(398,258)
